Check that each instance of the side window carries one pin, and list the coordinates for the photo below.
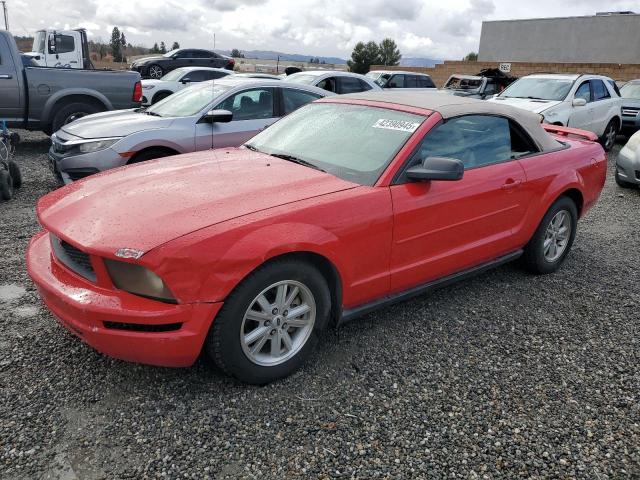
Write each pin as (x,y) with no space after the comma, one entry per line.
(490,89)
(196,76)
(410,81)
(201,54)
(614,86)
(600,91)
(294,99)
(476,140)
(215,75)
(364,86)
(584,91)
(425,82)
(328,84)
(397,81)
(250,104)
(349,85)
(65,44)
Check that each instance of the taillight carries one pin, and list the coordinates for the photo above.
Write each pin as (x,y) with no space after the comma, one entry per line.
(232,62)
(137,92)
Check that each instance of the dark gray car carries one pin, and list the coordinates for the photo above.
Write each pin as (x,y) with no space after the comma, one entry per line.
(157,67)
(223,113)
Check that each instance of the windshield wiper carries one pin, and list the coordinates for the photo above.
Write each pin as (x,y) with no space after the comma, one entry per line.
(251,147)
(299,161)
(152,113)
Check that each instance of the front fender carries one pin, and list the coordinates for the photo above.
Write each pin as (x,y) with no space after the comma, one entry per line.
(67,92)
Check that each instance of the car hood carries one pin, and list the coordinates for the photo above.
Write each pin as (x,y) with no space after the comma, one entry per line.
(119,123)
(148,59)
(146,205)
(536,106)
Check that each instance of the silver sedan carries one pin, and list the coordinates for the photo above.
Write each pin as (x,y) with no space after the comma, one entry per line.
(334,81)
(223,113)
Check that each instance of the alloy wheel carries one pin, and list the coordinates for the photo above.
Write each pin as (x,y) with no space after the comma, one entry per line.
(557,236)
(610,137)
(155,72)
(278,323)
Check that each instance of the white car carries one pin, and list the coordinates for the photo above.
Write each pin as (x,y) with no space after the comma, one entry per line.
(154,90)
(334,81)
(588,102)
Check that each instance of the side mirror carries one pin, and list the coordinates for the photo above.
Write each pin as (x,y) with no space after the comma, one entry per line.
(437,168)
(52,43)
(579,102)
(185,80)
(218,116)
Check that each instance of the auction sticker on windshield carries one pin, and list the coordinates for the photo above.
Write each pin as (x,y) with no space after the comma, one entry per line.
(400,125)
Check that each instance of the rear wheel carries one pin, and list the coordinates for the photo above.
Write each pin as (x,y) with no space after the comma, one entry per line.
(70,113)
(553,239)
(269,324)
(160,96)
(608,139)
(6,185)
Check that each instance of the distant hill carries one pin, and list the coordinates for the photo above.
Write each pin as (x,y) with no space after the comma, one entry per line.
(419,62)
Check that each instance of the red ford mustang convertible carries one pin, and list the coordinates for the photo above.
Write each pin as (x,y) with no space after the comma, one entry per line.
(347,204)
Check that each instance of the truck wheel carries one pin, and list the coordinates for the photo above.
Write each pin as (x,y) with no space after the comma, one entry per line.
(155,71)
(268,326)
(160,96)
(552,241)
(6,185)
(73,111)
(16,174)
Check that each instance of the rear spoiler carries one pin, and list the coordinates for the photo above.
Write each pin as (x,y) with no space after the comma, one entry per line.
(574,132)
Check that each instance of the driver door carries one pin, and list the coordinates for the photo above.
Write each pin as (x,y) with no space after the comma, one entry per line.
(253,110)
(582,117)
(443,227)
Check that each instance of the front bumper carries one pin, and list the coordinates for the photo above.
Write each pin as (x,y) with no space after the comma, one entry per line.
(85,309)
(69,168)
(628,165)
(631,123)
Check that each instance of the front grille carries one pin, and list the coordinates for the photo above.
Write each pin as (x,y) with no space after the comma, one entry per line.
(73,258)
(630,111)
(140,327)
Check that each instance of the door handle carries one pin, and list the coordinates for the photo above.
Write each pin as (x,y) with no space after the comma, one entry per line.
(511,183)
(6,76)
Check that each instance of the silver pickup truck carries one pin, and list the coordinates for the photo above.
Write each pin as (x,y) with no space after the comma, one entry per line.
(42,98)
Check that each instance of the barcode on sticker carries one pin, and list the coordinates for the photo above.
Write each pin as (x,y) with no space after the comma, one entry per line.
(400,125)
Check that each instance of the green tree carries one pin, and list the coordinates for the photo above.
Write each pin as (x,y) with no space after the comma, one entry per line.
(389,52)
(102,50)
(471,57)
(155,48)
(116,45)
(175,46)
(235,53)
(163,48)
(363,56)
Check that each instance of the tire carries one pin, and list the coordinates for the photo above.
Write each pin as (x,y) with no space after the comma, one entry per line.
(150,154)
(535,257)
(68,113)
(16,174)
(6,185)
(253,361)
(621,183)
(155,71)
(159,96)
(608,138)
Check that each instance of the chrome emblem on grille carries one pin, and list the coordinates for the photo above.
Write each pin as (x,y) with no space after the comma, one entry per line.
(129,253)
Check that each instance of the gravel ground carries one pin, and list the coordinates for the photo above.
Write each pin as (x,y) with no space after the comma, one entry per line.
(507,375)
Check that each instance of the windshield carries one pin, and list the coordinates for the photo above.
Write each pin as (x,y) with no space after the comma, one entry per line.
(539,89)
(174,75)
(170,53)
(301,78)
(630,90)
(352,142)
(39,42)
(373,75)
(463,83)
(189,101)
(383,79)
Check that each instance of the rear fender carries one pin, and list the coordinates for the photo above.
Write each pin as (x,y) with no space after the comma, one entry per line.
(62,95)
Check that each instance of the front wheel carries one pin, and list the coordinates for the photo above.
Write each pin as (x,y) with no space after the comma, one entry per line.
(608,139)
(553,239)
(156,71)
(269,324)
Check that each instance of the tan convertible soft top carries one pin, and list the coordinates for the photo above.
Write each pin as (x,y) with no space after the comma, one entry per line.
(453,106)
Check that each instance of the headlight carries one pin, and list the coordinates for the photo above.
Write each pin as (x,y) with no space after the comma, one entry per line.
(138,280)
(89,147)
(148,87)
(634,142)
